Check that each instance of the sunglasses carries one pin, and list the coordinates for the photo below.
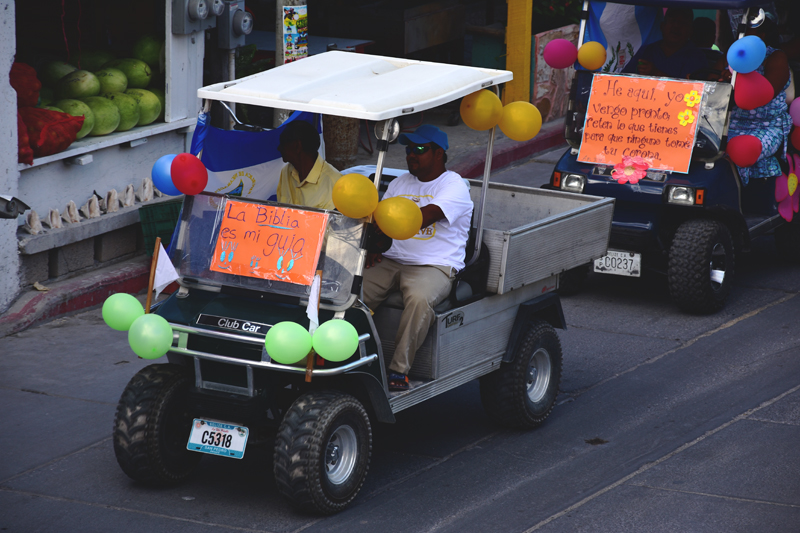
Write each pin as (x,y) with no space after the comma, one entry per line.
(417,150)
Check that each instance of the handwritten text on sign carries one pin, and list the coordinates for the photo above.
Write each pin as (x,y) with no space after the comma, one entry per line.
(655,119)
(269,242)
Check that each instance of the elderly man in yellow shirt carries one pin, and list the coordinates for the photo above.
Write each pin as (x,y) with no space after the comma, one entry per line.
(307,179)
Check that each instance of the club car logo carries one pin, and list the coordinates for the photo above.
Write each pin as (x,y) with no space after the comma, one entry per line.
(233,323)
(453,319)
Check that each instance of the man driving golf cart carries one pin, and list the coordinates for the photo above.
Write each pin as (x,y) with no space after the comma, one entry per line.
(422,267)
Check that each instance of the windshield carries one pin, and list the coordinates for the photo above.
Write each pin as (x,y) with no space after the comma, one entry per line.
(710,125)
(225,241)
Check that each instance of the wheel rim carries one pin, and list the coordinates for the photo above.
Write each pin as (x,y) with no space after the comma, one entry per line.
(340,454)
(718,264)
(538,375)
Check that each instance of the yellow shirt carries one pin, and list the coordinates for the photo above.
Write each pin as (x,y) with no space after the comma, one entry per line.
(314,191)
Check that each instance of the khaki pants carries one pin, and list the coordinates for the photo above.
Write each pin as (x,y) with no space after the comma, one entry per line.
(423,287)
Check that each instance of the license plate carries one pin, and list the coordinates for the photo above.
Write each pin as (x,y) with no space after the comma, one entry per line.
(217,438)
(619,263)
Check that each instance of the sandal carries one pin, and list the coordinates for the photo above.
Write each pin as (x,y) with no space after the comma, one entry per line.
(398,382)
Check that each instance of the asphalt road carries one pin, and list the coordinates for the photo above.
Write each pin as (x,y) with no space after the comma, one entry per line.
(665,422)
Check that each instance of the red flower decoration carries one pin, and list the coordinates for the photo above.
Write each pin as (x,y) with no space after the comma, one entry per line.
(630,170)
(787,192)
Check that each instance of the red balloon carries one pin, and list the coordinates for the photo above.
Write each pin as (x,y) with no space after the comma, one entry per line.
(189,174)
(744,150)
(795,138)
(752,90)
(560,53)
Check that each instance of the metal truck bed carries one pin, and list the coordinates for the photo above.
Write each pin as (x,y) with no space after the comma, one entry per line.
(535,233)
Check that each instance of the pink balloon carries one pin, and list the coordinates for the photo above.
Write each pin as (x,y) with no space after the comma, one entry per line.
(794,110)
(560,53)
(752,90)
(744,150)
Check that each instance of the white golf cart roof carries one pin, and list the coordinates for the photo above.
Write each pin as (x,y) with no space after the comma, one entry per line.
(356,85)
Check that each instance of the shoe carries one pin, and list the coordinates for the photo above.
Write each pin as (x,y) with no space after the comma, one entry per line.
(398,382)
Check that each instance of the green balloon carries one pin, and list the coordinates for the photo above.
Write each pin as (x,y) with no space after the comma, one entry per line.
(287,342)
(150,336)
(120,310)
(335,340)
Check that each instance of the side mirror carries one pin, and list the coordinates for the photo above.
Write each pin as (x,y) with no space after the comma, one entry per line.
(11,207)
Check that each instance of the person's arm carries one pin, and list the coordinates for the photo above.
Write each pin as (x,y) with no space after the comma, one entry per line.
(776,70)
(431,213)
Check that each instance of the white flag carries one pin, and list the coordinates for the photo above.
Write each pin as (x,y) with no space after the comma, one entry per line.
(165,272)
(312,312)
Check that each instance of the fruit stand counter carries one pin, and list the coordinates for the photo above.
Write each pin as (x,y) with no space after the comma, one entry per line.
(143,73)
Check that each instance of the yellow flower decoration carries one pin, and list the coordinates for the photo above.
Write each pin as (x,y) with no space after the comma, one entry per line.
(692,99)
(792,184)
(686,117)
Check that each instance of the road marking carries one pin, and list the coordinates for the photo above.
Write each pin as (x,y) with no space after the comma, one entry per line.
(720,496)
(135,511)
(648,466)
(686,344)
(57,459)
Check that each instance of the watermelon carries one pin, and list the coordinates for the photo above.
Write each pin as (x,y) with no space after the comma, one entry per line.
(106,115)
(112,80)
(76,108)
(162,97)
(78,84)
(149,49)
(93,60)
(138,72)
(128,109)
(149,105)
(53,71)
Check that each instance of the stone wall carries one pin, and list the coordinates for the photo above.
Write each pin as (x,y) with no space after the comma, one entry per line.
(9,175)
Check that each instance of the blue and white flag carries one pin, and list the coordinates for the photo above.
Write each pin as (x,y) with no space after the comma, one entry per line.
(622,29)
(244,163)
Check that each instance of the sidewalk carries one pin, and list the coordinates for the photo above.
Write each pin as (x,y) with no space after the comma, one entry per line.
(466,156)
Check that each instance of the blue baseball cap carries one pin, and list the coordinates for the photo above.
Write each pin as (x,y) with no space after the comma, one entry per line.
(425,134)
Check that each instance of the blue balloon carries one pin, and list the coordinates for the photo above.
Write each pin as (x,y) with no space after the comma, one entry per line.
(746,54)
(162,178)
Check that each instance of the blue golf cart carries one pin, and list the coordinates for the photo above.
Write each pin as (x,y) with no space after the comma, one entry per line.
(691,225)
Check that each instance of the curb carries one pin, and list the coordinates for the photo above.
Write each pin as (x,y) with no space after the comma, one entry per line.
(508,151)
(75,294)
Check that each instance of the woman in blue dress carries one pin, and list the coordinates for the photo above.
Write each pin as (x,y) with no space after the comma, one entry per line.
(771,123)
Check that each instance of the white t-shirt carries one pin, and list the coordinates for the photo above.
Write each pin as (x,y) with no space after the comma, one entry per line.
(444,242)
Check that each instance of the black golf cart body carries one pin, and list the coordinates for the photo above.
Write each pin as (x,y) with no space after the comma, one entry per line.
(688,226)
(496,325)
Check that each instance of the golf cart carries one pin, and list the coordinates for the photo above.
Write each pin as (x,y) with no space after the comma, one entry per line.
(687,218)
(221,392)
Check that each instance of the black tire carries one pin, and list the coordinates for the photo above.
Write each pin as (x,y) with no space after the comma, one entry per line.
(571,282)
(521,394)
(699,248)
(152,426)
(322,451)
(787,240)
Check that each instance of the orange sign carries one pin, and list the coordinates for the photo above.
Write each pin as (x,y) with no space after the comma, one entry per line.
(655,119)
(269,242)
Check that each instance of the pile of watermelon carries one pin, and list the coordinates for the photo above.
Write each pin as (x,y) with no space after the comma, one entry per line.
(111,94)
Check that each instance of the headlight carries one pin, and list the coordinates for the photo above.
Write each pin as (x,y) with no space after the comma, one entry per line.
(681,195)
(573,183)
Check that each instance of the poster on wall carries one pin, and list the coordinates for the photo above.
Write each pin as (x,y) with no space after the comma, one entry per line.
(295,33)
(654,119)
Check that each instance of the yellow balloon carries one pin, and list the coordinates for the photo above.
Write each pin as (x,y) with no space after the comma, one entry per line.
(481,110)
(592,55)
(398,217)
(355,196)
(521,121)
